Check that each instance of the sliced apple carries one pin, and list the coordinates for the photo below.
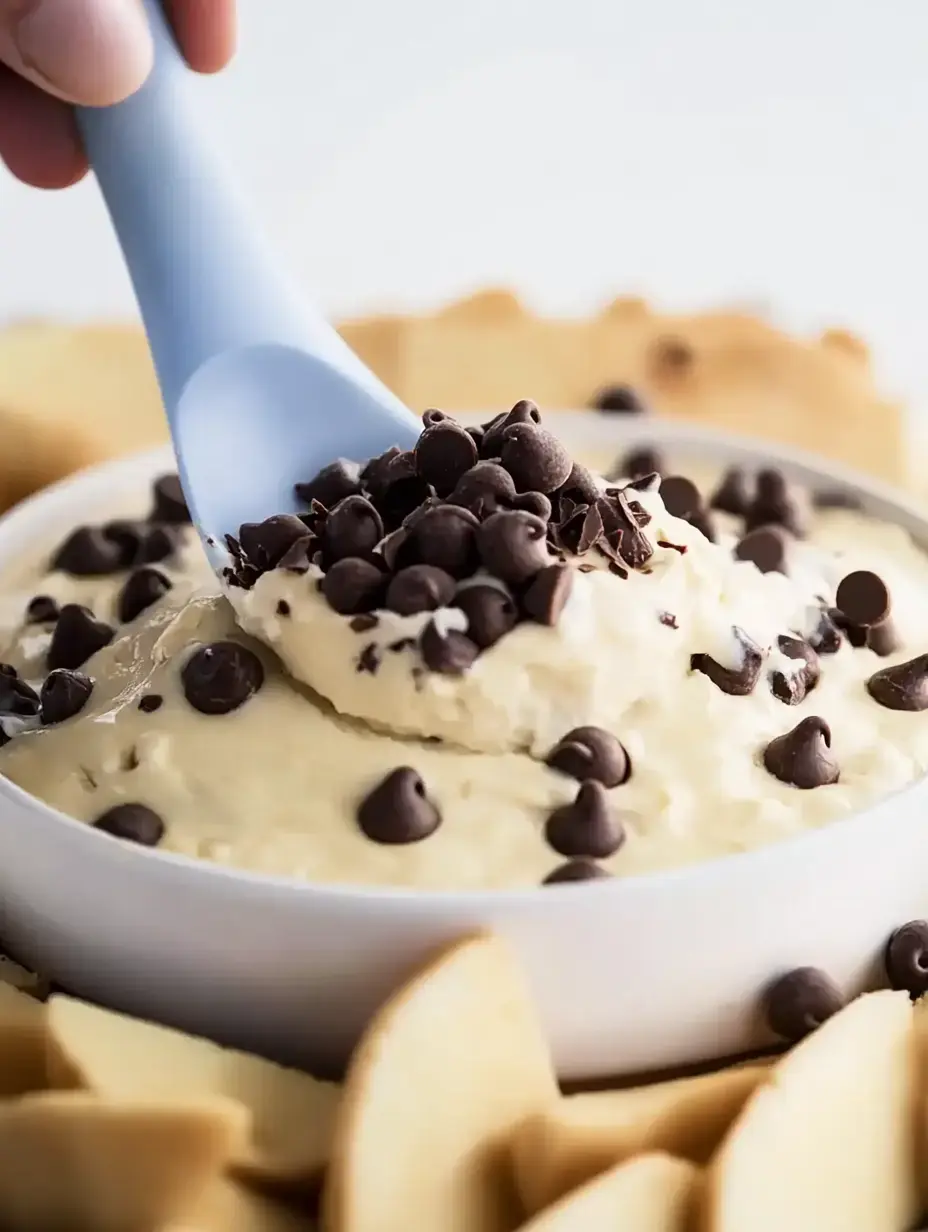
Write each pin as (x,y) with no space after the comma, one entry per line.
(651,1193)
(828,1144)
(580,1136)
(123,1058)
(441,1078)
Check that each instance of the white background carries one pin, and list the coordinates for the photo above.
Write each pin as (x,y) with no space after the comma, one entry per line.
(403,151)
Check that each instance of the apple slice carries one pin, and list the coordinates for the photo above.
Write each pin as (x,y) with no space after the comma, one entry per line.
(580,1136)
(828,1144)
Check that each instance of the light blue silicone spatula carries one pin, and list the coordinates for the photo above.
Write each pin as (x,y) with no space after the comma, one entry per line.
(260,391)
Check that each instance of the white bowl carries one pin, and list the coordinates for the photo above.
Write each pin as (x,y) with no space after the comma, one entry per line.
(633,974)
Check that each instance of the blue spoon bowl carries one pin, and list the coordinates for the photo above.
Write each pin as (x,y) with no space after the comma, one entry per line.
(259,390)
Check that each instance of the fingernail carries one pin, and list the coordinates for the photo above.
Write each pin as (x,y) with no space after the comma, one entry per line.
(95,52)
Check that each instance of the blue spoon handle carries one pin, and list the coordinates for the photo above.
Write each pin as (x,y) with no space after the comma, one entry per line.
(203,276)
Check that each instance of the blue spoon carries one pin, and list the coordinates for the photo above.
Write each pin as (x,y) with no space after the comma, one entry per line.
(260,391)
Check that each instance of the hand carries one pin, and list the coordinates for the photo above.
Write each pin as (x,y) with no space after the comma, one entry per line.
(54,53)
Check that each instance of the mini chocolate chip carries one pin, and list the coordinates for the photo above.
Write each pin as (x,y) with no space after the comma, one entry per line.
(484,489)
(803,756)
(576,870)
(736,681)
(403,492)
(444,452)
(352,528)
(490,612)
(419,588)
(221,676)
(547,594)
(903,686)
(364,622)
(170,504)
(398,810)
(299,556)
(524,412)
(681,497)
(618,399)
(282,608)
(797,1003)
(266,543)
(733,494)
(42,609)
(513,545)
(63,695)
(445,536)
(862,598)
(134,823)
(77,636)
(792,688)
(640,462)
(448,653)
(764,547)
(587,826)
(591,753)
(774,504)
(155,543)
(88,552)
(16,696)
(143,588)
(353,585)
(370,659)
(826,636)
(150,703)
(127,537)
(906,958)
(332,484)
(535,458)
(883,639)
(668,619)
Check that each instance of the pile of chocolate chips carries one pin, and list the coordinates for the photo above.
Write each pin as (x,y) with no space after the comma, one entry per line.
(484,519)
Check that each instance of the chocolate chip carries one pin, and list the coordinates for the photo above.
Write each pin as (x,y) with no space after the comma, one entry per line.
(484,489)
(434,416)
(220,677)
(826,636)
(170,504)
(299,556)
(513,545)
(449,653)
(134,823)
(618,399)
(797,1003)
(640,462)
(883,639)
(681,497)
(445,536)
(419,588)
(735,681)
(535,458)
(444,452)
(906,958)
(862,598)
(591,753)
(403,490)
(77,636)
(63,695)
(41,609)
(587,826)
(803,756)
(282,608)
(352,528)
(774,504)
(150,703)
(370,659)
(16,696)
(903,686)
(547,594)
(398,810)
(792,688)
(266,543)
(524,412)
(154,544)
(733,494)
(575,870)
(490,612)
(353,585)
(332,484)
(143,588)
(88,552)
(764,547)
(534,502)
(579,487)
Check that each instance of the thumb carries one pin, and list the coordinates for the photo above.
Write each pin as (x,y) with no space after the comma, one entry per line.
(91,52)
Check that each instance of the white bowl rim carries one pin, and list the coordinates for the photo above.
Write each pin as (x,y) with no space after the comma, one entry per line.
(624,431)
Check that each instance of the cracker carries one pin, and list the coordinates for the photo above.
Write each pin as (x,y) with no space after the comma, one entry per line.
(229,1207)
(23,1042)
(652,1193)
(441,1078)
(826,1145)
(125,1058)
(69,1160)
(582,1135)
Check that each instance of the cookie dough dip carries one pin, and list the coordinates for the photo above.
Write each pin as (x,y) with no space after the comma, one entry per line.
(474,665)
